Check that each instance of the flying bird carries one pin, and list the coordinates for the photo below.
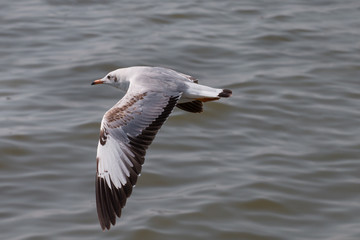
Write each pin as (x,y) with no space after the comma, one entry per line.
(128,128)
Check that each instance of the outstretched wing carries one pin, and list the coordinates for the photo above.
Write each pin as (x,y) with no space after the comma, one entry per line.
(127,130)
(195,106)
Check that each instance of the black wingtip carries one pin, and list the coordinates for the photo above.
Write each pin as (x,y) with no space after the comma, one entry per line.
(107,203)
(225,93)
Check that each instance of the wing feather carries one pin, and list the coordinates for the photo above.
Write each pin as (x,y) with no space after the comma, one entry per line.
(194,106)
(127,130)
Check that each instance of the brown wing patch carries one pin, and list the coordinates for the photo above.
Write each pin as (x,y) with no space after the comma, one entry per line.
(121,113)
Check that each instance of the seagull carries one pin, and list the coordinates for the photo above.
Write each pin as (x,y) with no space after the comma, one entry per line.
(128,128)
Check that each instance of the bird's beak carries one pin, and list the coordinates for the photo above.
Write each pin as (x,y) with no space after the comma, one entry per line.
(99,81)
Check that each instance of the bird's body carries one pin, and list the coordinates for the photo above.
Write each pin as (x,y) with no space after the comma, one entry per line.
(129,127)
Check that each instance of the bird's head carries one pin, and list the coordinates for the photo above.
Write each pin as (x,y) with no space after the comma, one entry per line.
(115,79)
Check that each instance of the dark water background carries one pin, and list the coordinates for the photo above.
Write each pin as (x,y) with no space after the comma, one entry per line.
(278,160)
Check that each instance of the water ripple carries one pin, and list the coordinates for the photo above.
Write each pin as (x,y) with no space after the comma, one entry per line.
(277,160)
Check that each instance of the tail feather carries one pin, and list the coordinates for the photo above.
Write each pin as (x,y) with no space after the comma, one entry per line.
(198,91)
(225,93)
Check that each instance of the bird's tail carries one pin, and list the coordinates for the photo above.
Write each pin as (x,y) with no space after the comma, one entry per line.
(205,93)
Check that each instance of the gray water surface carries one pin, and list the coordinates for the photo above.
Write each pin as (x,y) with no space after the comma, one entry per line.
(277,160)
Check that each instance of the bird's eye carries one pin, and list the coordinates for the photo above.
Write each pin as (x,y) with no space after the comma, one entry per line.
(108,77)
